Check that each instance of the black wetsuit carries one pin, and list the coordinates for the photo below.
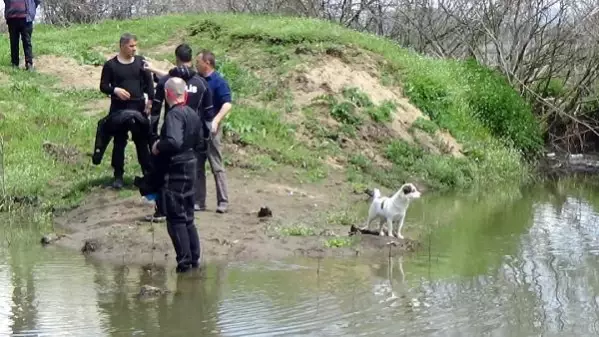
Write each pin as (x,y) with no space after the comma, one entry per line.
(179,138)
(199,98)
(137,81)
(116,124)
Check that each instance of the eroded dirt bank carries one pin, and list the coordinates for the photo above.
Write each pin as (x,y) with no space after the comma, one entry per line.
(120,234)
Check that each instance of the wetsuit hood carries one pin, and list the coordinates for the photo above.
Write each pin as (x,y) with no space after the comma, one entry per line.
(183,72)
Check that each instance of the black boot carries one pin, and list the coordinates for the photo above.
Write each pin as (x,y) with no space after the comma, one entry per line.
(118,183)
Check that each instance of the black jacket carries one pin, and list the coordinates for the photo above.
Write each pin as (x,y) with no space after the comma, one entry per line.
(199,96)
(180,134)
(122,121)
(180,137)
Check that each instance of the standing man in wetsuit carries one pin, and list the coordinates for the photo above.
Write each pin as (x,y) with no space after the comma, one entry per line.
(221,98)
(199,98)
(179,137)
(125,80)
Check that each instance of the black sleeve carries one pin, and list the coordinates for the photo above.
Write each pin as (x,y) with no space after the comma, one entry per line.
(158,99)
(206,105)
(106,79)
(172,140)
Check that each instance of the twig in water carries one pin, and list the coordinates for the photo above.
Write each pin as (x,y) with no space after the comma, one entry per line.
(153,243)
(318,285)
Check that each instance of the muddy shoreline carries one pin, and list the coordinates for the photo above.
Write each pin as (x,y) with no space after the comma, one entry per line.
(559,164)
(120,235)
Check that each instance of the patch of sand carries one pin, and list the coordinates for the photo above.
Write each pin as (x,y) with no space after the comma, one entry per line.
(73,75)
(334,75)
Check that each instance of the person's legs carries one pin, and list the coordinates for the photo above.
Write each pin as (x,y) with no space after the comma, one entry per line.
(218,170)
(157,176)
(194,243)
(177,198)
(143,152)
(14,32)
(27,47)
(118,158)
(192,232)
(200,184)
(178,234)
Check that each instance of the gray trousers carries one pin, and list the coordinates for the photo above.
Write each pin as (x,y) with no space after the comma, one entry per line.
(214,155)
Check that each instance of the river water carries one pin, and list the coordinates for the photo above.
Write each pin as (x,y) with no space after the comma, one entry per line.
(526,266)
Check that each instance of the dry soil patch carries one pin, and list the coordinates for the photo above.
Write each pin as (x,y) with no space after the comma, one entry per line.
(73,75)
(334,75)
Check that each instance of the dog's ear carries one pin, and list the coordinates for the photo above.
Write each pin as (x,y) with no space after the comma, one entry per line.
(407,189)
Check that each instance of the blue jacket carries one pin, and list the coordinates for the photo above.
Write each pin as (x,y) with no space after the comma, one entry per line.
(18,9)
(221,93)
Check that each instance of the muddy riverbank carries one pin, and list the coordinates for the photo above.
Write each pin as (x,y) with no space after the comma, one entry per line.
(310,220)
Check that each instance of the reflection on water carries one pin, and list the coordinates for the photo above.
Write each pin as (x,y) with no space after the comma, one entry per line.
(523,268)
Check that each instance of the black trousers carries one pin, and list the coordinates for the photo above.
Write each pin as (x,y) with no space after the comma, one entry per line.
(120,141)
(177,198)
(20,29)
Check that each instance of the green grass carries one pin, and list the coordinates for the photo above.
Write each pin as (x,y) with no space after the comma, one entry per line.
(255,54)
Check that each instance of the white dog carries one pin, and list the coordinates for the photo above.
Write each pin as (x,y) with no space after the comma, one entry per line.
(391,209)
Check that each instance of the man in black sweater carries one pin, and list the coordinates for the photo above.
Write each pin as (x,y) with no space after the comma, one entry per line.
(179,137)
(126,81)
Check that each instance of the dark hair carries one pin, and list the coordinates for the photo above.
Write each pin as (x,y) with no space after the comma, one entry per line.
(126,37)
(183,52)
(208,57)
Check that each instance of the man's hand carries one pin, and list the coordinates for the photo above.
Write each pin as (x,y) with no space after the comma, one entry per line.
(122,94)
(214,127)
(148,66)
(155,148)
(148,108)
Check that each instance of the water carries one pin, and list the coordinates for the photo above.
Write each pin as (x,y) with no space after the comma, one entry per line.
(524,267)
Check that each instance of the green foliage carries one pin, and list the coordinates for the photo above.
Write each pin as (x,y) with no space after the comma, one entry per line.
(353,105)
(501,109)
(265,131)
(357,97)
(297,230)
(340,242)
(382,113)
(92,58)
(425,125)
(489,167)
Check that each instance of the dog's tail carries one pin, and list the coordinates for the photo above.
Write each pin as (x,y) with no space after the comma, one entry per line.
(376,193)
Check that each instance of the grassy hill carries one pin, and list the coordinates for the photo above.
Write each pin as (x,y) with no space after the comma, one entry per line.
(310,98)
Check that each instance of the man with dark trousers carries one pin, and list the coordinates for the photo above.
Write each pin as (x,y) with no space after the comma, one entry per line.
(126,81)
(199,98)
(179,138)
(19,15)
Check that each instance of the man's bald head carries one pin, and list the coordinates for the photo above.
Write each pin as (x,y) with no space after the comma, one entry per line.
(175,88)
